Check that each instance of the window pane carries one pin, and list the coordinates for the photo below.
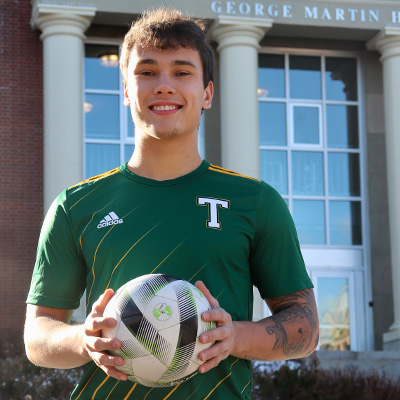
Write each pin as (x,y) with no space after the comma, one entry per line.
(128,151)
(305,77)
(102,116)
(272,124)
(307,173)
(333,312)
(273,165)
(344,174)
(341,79)
(101,158)
(306,125)
(101,67)
(271,76)
(342,126)
(309,218)
(345,222)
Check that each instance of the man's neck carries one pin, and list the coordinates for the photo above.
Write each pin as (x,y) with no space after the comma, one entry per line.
(164,161)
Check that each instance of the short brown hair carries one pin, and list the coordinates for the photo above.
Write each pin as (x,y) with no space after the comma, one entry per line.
(167,28)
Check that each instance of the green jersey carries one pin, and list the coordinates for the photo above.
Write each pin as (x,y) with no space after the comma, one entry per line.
(214,225)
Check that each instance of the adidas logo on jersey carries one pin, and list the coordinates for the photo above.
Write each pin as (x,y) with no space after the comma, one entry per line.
(110,219)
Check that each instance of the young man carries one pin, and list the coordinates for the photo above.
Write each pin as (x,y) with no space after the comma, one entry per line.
(179,215)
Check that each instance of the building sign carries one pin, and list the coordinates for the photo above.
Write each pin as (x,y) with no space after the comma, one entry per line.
(365,14)
(353,14)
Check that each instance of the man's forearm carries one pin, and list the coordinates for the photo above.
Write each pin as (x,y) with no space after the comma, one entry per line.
(54,344)
(291,332)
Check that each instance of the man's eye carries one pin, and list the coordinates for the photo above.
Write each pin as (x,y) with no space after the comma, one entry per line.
(146,73)
(182,73)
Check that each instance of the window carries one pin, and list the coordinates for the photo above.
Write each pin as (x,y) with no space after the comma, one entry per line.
(310,151)
(309,143)
(108,126)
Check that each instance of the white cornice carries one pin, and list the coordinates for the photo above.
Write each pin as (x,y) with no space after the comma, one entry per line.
(232,30)
(387,42)
(43,9)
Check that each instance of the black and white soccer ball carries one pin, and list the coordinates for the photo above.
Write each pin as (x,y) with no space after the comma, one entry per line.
(158,323)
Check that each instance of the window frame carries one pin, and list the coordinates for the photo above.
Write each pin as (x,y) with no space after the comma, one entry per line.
(335,260)
(124,111)
(289,147)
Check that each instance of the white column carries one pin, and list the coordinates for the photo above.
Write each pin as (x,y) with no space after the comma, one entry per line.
(63,30)
(238,46)
(387,42)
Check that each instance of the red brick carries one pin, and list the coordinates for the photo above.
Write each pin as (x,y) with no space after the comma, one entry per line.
(21,158)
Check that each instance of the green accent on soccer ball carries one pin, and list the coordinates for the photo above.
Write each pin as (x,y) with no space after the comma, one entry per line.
(156,312)
(201,294)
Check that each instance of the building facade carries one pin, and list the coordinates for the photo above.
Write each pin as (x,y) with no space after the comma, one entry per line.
(307,98)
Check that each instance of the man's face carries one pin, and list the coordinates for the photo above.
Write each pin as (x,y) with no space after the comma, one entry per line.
(166,92)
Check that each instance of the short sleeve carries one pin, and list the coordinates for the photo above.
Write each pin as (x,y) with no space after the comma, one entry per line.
(277,264)
(58,278)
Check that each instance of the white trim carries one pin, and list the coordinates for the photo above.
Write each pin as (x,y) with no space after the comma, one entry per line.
(290,121)
(103,41)
(362,126)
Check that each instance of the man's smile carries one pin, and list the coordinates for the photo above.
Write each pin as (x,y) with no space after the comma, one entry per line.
(165,107)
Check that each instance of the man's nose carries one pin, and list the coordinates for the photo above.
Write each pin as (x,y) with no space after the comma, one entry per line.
(164,85)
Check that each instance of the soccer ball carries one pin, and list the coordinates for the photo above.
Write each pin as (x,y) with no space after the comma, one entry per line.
(158,323)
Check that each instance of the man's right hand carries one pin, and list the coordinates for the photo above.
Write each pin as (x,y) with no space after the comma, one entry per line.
(95,346)
(52,342)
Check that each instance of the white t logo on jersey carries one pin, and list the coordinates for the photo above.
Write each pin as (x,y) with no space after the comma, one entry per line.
(213,205)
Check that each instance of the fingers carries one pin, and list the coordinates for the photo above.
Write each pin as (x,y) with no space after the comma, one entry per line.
(102,301)
(213,356)
(212,300)
(109,365)
(97,347)
(223,338)
(222,335)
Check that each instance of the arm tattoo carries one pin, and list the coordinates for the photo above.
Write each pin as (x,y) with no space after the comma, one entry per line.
(294,323)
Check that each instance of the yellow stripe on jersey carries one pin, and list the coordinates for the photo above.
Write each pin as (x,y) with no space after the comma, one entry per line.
(97,248)
(101,384)
(109,394)
(130,392)
(119,262)
(230,373)
(172,391)
(248,383)
(173,251)
(91,219)
(84,197)
(87,383)
(97,177)
(144,398)
(215,168)
(195,390)
(209,394)
(198,271)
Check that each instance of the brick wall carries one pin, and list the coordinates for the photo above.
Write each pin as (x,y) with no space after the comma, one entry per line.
(21,159)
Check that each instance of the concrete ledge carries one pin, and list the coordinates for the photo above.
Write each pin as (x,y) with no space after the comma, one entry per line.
(383,362)
(391,340)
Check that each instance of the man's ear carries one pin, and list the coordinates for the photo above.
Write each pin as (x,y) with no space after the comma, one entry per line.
(127,101)
(208,96)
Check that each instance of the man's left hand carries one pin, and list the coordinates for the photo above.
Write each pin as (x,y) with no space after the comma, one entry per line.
(223,334)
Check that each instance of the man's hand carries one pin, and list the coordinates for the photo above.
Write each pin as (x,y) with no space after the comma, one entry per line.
(95,346)
(223,335)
